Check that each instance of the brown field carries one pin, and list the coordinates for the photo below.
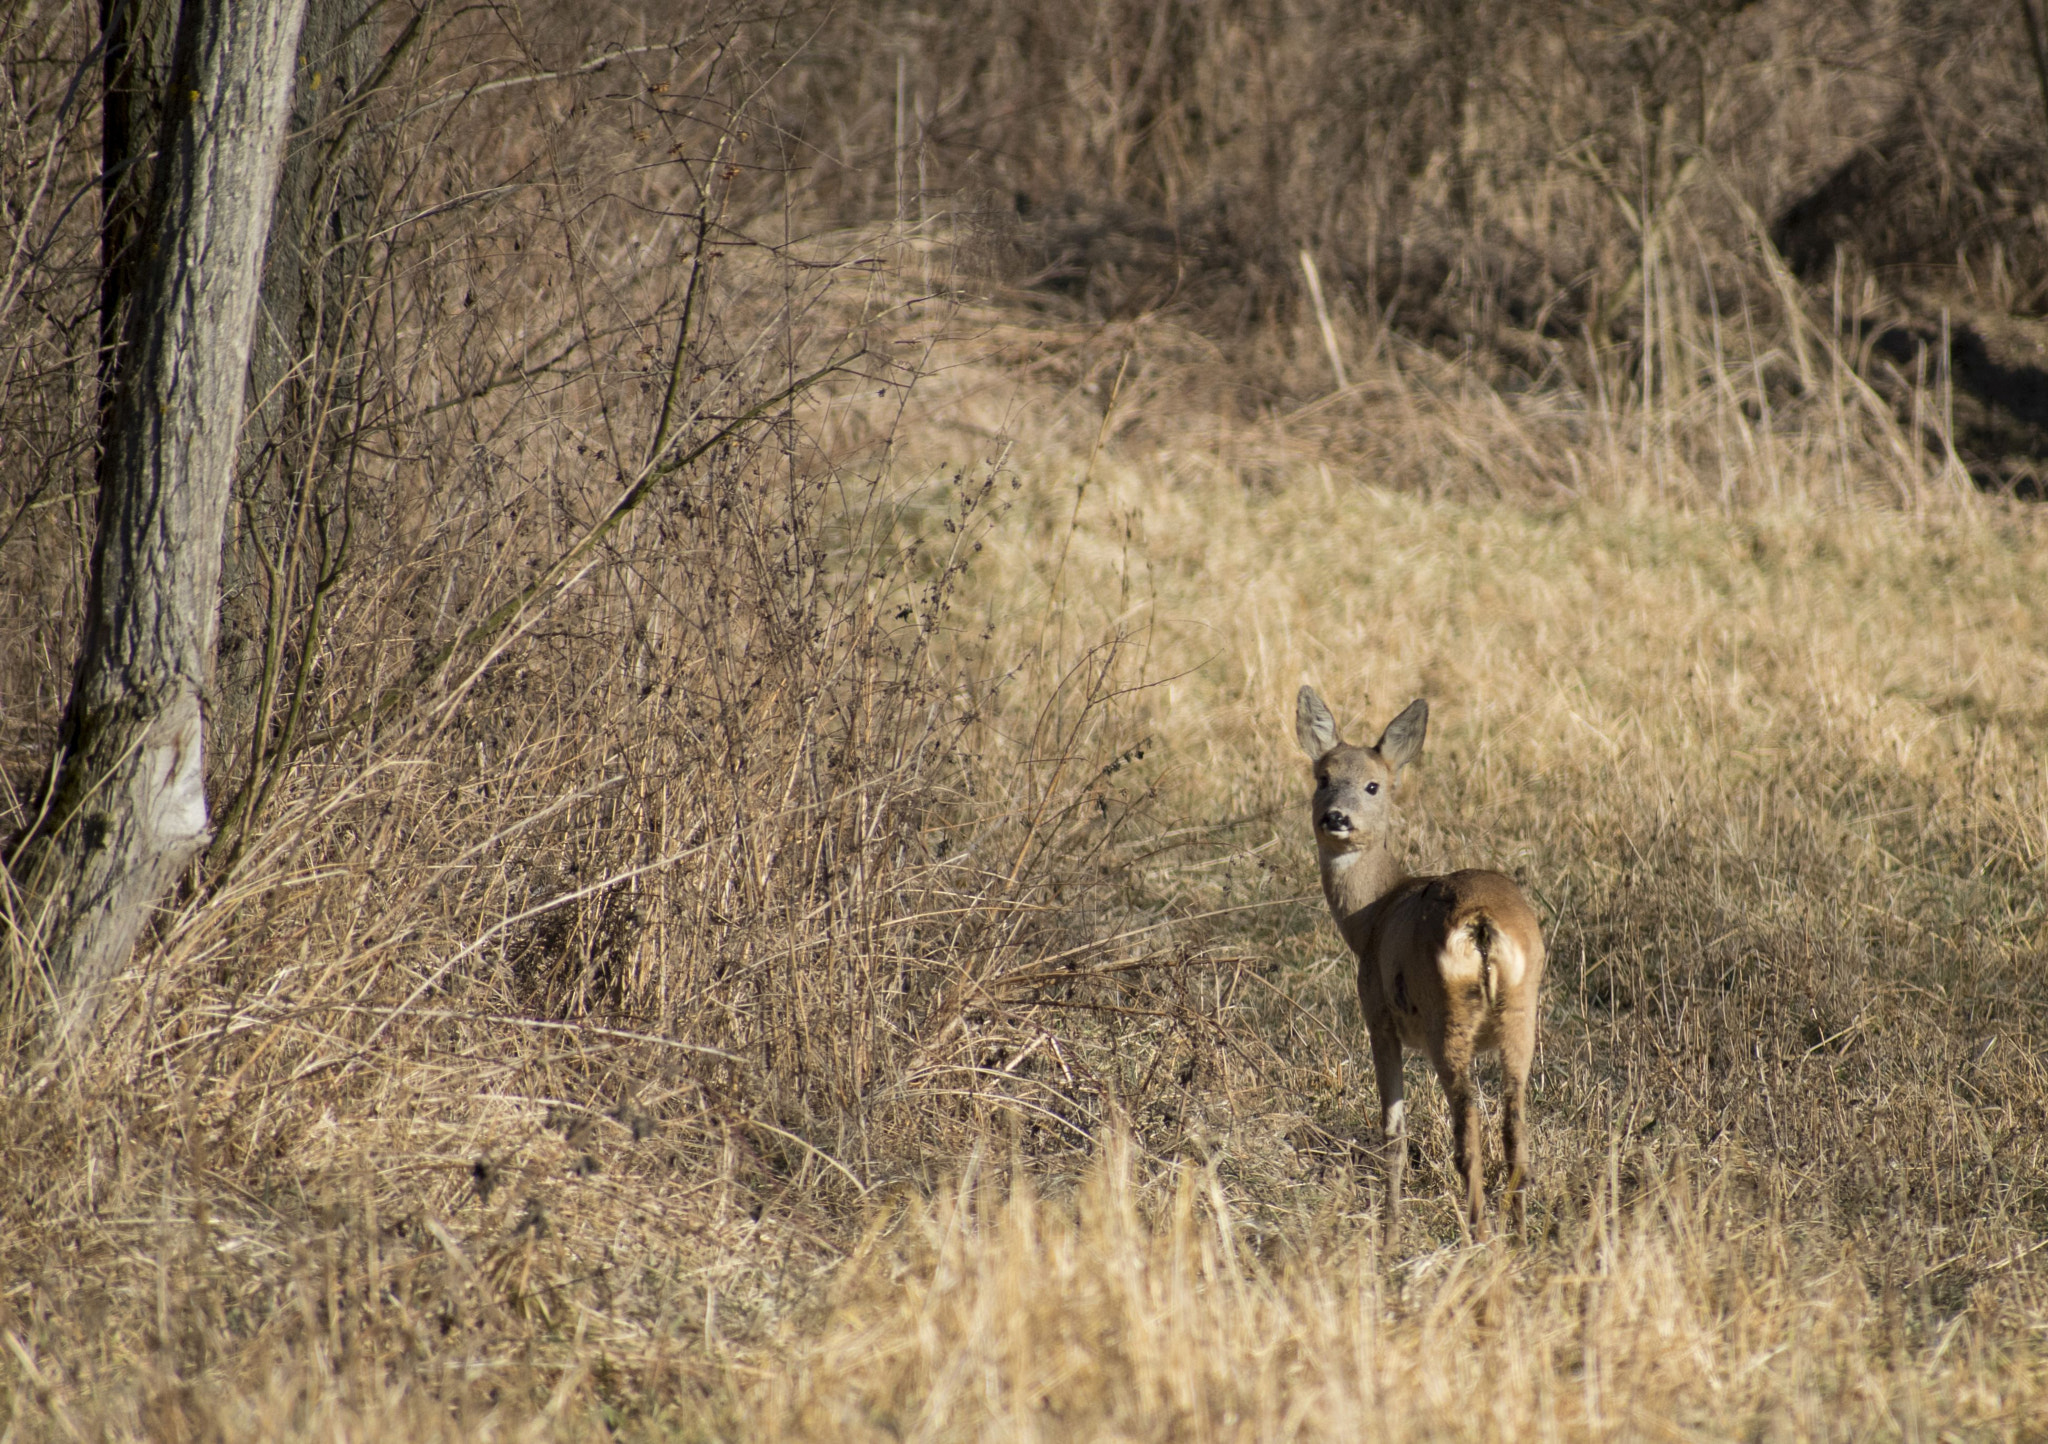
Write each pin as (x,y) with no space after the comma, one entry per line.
(845,960)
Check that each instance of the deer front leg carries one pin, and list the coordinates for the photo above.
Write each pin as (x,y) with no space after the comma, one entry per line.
(1386,1067)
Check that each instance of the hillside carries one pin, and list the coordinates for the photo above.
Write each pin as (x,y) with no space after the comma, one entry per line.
(843,956)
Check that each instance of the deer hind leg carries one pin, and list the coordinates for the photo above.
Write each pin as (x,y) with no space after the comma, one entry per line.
(1515,1055)
(1455,1073)
(1386,1066)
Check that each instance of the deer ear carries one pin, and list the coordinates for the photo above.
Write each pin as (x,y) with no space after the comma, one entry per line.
(1314,728)
(1403,737)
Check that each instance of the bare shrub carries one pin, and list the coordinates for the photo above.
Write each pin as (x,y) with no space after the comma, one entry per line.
(602,744)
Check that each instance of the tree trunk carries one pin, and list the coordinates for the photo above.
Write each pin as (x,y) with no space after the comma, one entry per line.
(127,809)
(136,46)
(297,447)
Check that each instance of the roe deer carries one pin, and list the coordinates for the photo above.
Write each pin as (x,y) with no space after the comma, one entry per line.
(1447,965)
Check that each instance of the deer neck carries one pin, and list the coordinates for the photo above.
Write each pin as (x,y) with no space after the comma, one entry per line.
(1355,879)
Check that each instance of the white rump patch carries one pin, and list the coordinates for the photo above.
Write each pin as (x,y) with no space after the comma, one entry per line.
(1509,962)
(1460,958)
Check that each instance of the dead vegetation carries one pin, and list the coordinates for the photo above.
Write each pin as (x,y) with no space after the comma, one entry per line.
(761,889)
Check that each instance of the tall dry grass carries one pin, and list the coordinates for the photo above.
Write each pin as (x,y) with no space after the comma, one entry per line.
(1774,775)
(1151,1309)
(844,958)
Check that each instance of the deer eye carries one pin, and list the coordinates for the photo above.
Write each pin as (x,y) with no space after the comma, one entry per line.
(1372,789)
(1322,779)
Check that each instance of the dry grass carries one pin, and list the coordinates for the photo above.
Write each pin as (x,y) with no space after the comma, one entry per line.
(1775,778)
(1150,1309)
(848,963)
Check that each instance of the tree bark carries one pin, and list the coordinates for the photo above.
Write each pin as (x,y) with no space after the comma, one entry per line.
(137,39)
(126,811)
(297,441)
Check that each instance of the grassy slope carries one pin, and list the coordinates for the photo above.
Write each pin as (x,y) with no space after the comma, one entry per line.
(1753,705)
(1775,775)
(1777,779)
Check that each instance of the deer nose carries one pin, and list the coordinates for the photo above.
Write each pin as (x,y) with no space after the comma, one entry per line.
(1335,821)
